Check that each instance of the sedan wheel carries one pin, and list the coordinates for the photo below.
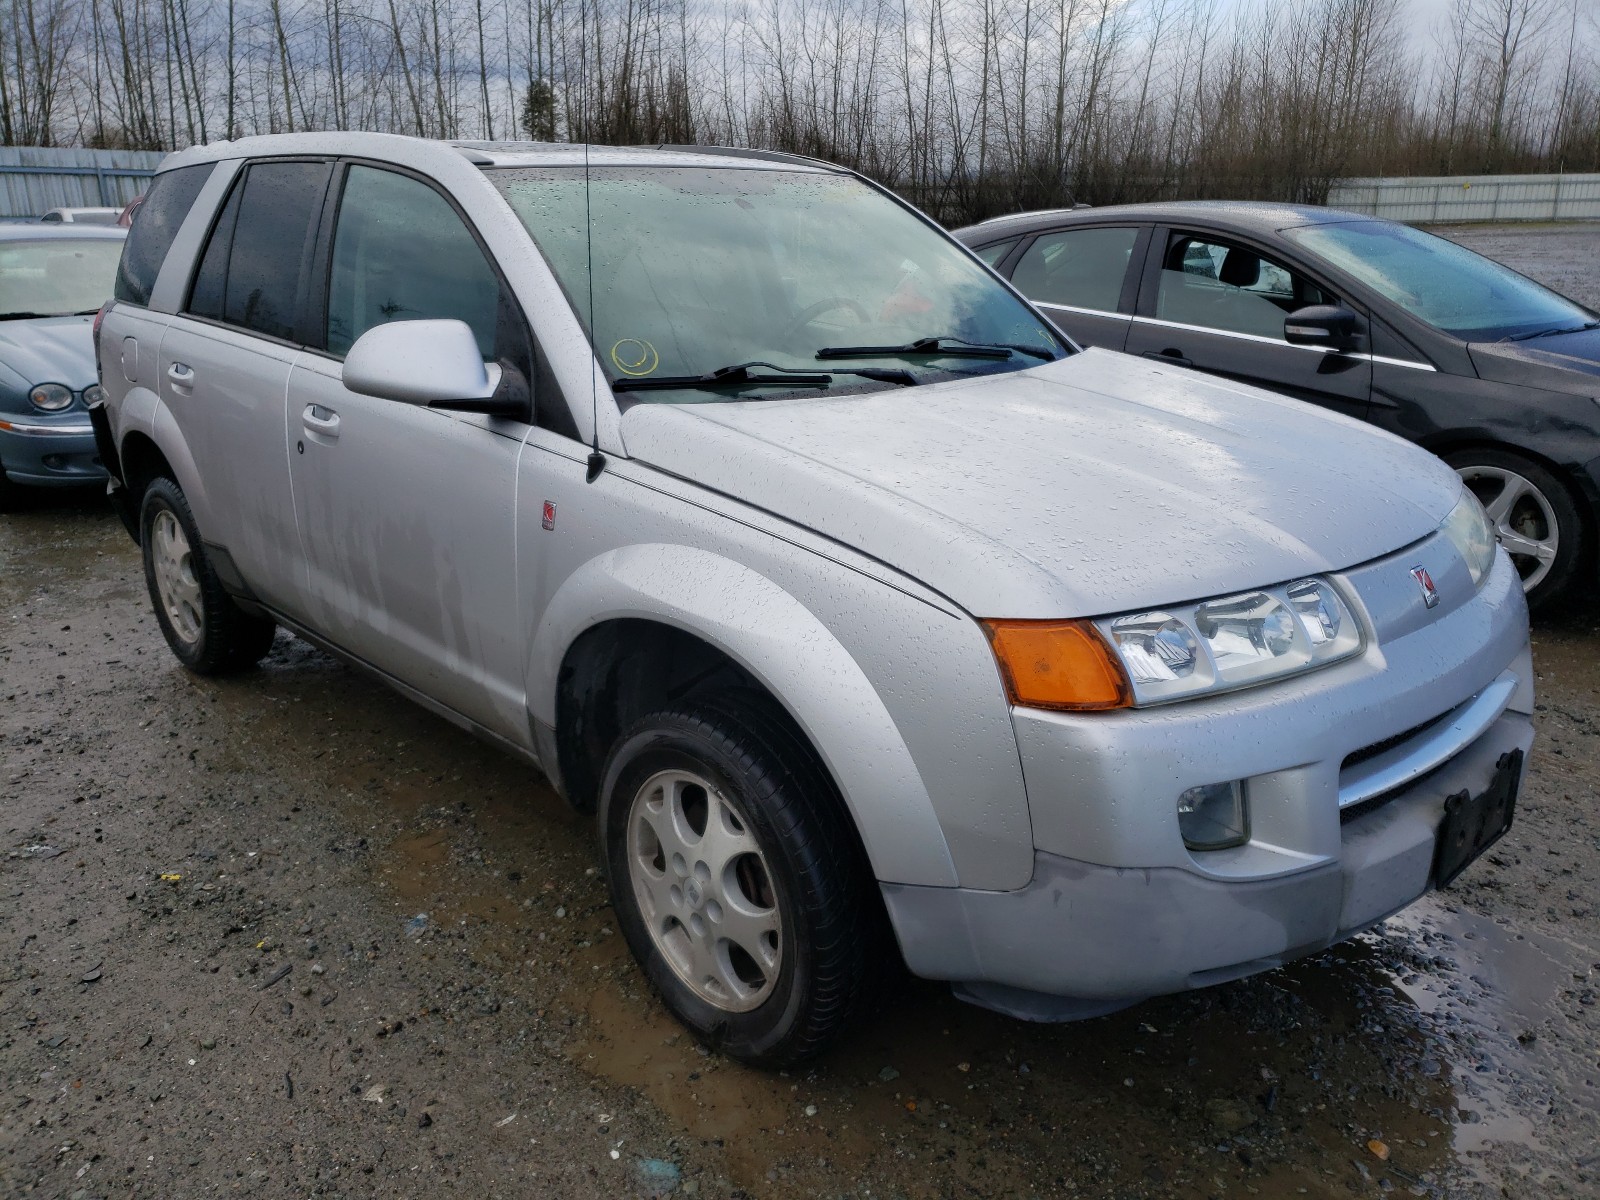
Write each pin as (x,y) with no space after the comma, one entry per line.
(1523,520)
(1534,516)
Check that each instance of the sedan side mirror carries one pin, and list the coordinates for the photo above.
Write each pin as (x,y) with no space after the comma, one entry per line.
(1328,325)
(433,363)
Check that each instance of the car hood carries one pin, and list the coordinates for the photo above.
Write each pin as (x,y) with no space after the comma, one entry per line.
(1097,484)
(50,350)
(1557,362)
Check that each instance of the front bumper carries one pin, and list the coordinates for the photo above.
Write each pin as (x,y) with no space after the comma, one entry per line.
(40,452)
(1347,771)
(1083,939)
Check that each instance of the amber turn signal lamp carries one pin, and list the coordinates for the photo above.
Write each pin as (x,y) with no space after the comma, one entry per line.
(1061,665)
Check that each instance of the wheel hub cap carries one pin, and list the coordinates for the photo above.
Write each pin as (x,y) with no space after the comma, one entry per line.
(704,890)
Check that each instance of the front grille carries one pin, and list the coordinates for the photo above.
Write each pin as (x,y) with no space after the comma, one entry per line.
(1356,757)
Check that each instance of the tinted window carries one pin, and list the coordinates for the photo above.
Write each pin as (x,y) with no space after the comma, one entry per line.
(400,253)
(272,236)
(1081,268)
(1446,285)
(993,254)
(155,224)
(211,280)
(1216,285)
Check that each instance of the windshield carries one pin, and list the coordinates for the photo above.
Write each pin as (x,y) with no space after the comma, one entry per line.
(1439,282)
(699,269)
(54,276)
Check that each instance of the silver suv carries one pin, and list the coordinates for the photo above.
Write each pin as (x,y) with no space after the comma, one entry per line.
(874,621)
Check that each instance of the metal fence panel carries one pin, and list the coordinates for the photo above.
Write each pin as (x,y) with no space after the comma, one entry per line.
(1445,199)
(34,179)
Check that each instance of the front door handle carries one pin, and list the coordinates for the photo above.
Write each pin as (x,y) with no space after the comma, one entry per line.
(181,375)
(320,420)
(1171,356)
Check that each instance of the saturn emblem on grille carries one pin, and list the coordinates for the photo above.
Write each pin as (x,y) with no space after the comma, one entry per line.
(1430,594)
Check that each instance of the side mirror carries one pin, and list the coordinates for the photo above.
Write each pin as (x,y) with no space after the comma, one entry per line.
(1329,325)
(433,363)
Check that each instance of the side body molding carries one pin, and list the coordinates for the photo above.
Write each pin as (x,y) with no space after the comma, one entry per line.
(783,644)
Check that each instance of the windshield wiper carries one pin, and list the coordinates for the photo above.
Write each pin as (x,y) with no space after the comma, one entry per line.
(1523,337)
(742,375)
(24,316)
(946,347)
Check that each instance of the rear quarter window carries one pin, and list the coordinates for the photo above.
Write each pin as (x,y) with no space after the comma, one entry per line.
(155,224)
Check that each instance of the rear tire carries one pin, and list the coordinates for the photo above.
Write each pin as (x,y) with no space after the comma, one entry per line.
(739,882)
(1535,517)
(207,631)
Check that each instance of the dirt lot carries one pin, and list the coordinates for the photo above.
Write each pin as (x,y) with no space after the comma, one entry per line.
(288,935)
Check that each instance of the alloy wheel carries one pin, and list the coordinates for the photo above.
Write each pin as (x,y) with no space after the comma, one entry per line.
(176,582)
(1524,521)
(704,889)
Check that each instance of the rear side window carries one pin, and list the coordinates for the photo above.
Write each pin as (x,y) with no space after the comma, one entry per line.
(155,224)
(993,254)
(253,269)
(400,253)
(1077,268)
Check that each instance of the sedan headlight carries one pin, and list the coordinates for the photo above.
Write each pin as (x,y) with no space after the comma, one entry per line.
(50,397)
(1472,534)
(93,394)
(1233,641)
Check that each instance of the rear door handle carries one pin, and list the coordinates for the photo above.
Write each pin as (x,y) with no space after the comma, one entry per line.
(318,419)
(1174,357)
(182,375)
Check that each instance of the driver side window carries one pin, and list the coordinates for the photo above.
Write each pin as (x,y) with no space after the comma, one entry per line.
(1219,285)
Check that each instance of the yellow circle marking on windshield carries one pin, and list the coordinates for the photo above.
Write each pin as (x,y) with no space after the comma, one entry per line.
(634,357)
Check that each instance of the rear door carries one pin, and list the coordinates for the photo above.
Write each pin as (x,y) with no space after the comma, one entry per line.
(225,363)
(1218,304)
(407,515)
(1085,279)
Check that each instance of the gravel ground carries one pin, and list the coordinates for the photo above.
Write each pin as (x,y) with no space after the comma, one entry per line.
(219,978)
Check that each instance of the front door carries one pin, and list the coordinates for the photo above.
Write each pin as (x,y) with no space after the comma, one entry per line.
(407,515)
(1219,305)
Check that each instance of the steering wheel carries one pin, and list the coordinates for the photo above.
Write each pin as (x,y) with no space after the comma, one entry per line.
(812,311)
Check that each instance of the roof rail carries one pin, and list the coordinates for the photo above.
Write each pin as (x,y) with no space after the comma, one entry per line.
(749,152)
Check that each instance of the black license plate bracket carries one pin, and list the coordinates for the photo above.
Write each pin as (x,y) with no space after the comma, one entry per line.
(1474,823)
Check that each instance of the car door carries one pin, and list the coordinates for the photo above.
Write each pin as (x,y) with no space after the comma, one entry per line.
(1218,304)
(407,515)
(1084,278)
(224,370)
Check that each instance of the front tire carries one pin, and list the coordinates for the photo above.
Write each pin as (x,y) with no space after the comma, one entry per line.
(207,631)
(1534,515)
(739,883)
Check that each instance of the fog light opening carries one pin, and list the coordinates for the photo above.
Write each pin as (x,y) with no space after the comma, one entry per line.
(1214,816)
(55,461)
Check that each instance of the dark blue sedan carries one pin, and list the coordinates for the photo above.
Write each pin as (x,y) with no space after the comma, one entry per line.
(53,279)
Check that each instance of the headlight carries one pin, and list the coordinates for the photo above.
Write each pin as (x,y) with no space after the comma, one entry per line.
(94,394)
(1233,641)
(50,397)
(1472,534)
